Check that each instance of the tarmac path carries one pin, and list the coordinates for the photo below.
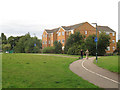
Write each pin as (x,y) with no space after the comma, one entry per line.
(86,69)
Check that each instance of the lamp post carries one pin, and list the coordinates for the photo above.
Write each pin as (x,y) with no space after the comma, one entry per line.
(96,40)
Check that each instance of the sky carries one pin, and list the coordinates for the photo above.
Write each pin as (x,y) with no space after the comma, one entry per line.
(18,17)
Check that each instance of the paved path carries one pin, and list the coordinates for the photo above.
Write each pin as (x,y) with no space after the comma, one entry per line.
(94,74)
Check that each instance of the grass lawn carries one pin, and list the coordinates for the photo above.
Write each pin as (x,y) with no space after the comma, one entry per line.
(108,62)
(37,71)
(66,55)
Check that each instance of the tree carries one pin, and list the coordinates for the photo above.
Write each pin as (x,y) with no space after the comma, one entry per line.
(58,47)
(74,40)
(6,47)
(4,40)
(118,47)
(90,44)
(103,43)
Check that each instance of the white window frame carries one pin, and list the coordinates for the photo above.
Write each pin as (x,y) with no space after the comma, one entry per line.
(46,42)
(62,40)
(113,48)
(49,41)
(86,32)
(108,48)
(99,31)
(59,33)
(59,40)
(63,33)
(113,34)
(71,31)
(113,41)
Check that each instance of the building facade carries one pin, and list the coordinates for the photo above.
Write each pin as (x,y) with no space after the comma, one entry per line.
(62,33)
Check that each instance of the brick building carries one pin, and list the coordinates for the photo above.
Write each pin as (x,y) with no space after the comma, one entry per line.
(62,33)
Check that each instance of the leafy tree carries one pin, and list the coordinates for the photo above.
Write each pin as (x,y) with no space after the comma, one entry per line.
(6,47)
(4,40)
(118,47)
(58,47)
(103,43)
(74,40)
(90,44)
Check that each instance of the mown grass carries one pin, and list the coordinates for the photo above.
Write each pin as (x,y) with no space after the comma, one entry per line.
(37,71)
(108,62)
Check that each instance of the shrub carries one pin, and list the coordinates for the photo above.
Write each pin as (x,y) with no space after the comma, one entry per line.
(49,50)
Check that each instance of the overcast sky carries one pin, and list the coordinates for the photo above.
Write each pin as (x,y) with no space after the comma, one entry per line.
(17,17)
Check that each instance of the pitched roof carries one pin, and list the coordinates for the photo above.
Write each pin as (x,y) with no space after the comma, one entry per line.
(105,28)
(51,30)
(71,27)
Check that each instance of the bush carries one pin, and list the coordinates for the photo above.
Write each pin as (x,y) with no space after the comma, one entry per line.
(75,50)
(49,50)
(109,54)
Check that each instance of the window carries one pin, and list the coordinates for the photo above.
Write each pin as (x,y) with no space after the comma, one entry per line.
(113,41)
(62,47)
(113,34)
(49,35)
(85,32)
(99,31)
(108,48)
(63,40)
(49,42)
(63,33)
(59,33)
(113,48)
(43,35)
(107,33)
(43,42)
(71,31)
(46,42)
(59,40)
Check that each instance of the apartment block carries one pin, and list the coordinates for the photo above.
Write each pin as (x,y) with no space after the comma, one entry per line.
(62,33)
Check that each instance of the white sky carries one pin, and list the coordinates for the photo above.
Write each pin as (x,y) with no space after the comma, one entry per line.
(17,17)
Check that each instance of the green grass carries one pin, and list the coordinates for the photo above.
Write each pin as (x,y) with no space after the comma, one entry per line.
(66,55)
(37,71)
(108,62)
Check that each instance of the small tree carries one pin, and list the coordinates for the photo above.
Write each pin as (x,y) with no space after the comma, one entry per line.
(6,47)
(58,47)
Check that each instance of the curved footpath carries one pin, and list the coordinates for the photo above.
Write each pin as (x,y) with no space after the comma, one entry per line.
(94,74)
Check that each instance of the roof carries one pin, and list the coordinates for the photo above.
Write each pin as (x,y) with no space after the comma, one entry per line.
(105,28)
(71,27)
(51,30)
